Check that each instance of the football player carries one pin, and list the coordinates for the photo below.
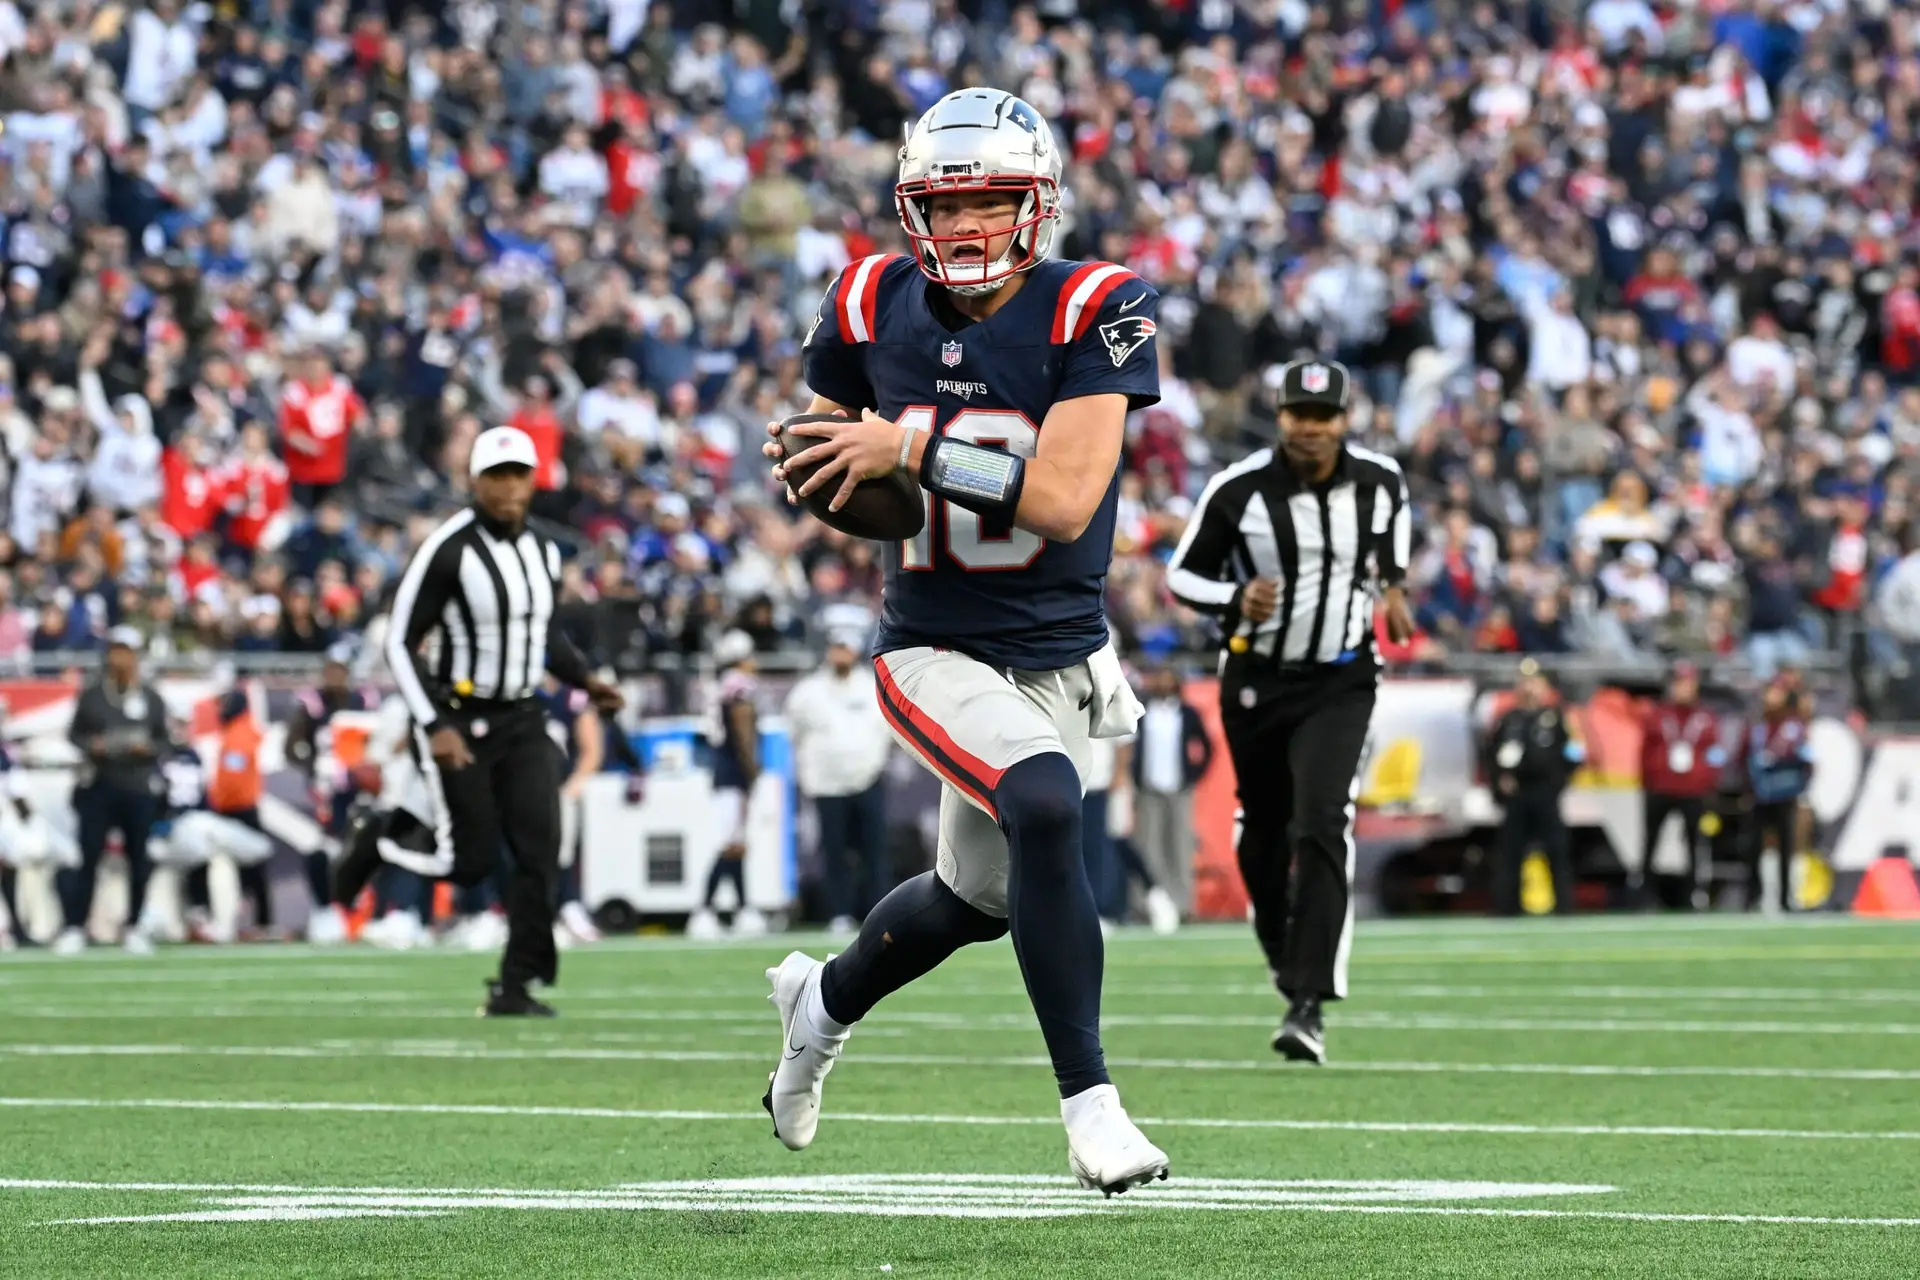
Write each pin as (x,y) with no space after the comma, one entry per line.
(1000,381)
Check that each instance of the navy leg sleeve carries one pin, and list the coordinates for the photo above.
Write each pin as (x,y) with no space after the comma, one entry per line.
(1056,927)
(907,934)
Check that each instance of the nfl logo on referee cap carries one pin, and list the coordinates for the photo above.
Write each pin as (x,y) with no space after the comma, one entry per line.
(1314,378)
(950,354)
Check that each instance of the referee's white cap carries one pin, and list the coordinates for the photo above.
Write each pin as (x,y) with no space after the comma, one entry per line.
(501,447)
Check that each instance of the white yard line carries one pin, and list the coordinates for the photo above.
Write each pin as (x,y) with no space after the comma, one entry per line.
(692,1204)
(326,979)
(481,1052)
(290,1006)
(901,1195)
(758,1117)
(1128,942)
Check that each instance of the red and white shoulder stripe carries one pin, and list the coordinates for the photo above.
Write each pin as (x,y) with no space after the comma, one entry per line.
(856,296)
(1082,296)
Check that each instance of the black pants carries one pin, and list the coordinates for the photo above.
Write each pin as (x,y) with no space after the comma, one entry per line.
(1532,820)
(853,850)
(1296,756)
(510,793)
(101,808)
(1779,819)
(1658,809)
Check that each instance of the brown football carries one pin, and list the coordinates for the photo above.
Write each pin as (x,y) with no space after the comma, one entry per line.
(886,509)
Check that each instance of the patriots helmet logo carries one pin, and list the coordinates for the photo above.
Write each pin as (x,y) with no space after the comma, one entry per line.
(1314,378)
(1126,336)
(950,354)
(1017,112)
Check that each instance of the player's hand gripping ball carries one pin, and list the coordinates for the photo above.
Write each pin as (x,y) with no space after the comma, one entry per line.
(885,505)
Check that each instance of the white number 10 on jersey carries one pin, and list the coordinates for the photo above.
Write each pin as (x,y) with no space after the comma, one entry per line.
(970,548)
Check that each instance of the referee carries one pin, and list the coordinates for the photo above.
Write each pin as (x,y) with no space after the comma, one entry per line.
(1286,549)
(483,587)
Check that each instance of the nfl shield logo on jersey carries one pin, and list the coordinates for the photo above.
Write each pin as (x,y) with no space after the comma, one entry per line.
(1314,379)
(950,354)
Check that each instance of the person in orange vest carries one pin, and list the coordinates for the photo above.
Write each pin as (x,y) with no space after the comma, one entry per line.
(235,788)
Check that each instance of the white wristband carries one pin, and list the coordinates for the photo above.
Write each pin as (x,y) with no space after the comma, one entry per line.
(906,449)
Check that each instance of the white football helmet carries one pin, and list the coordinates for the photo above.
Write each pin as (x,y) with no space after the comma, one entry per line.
(980,140)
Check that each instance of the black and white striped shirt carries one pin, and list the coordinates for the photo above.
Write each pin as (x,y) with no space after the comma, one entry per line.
(1328,545)
(474,618)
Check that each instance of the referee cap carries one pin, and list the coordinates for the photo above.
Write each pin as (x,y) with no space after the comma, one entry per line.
(1308,383)
(502,447)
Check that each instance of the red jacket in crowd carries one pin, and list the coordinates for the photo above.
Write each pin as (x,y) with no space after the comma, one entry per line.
(316,424)
(257,493)
(1680,754)
(1846,588)
(542,425)
(192,495)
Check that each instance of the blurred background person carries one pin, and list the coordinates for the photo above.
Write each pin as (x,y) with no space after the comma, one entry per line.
(1779,765)
(1531,755)
(841,745)
(120,726)
(1170,753)
(1681,757)
(733,735)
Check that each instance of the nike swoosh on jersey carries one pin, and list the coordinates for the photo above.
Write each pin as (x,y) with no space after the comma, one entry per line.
(1128,306)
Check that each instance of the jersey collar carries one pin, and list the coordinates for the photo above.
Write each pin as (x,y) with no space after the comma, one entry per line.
(1290,479)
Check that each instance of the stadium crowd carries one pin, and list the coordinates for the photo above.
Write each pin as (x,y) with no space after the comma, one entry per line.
(1629,286)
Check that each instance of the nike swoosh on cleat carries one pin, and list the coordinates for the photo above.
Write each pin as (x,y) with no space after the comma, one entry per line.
(1128,306)
(794,1050)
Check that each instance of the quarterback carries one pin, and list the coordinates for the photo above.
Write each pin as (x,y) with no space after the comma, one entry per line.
(998,379)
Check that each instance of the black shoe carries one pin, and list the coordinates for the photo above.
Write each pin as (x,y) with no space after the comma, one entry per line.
(359,857)
(504,1001)
(1302,1037)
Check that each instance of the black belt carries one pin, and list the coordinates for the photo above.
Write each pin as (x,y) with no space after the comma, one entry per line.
(492,706)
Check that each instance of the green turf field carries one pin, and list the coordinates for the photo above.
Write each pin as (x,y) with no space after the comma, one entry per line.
(1620,1097)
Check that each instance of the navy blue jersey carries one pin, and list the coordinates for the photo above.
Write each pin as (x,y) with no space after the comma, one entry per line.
(183,782)
(1003,595)
(564,707)
(730,754)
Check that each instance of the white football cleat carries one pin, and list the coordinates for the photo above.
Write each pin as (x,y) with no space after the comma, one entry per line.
(806,1055)
(749,923)
(1106,1150)
(326,926)
(1162,914)
(71,942)
(843,926)
(136,942)
(576,920)
(486,932)
(704,926)
(398,930)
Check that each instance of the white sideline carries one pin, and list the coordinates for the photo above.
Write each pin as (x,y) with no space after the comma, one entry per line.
(759,1117)
(1266,1064)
